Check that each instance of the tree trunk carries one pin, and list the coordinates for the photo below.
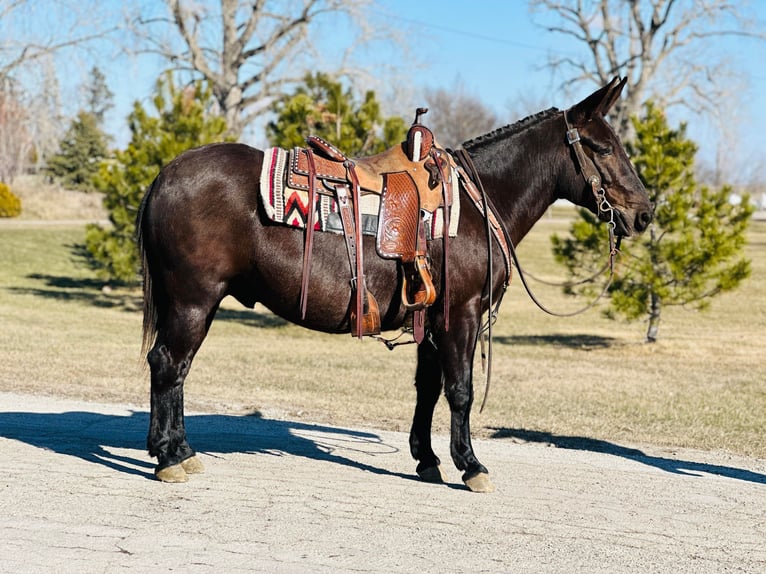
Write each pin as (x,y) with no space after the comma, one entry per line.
(654,319)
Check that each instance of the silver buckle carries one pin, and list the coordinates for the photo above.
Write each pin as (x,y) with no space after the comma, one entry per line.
(573,136)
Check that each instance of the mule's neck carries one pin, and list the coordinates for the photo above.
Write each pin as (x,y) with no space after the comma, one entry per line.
(522,167)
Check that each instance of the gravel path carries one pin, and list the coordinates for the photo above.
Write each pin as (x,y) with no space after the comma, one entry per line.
(77,494)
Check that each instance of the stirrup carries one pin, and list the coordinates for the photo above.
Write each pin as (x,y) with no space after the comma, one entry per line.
(370,316)
(426,293)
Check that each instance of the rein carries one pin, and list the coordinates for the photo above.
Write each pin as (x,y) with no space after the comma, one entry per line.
(593,178)
(493,225)
(496,226)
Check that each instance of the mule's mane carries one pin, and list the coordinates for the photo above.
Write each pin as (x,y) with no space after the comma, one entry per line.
(509,130)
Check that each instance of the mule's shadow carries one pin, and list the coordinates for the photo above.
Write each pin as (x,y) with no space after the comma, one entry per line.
(92,436)
(671,465)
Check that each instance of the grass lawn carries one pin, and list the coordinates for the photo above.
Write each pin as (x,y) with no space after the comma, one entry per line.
(703,385)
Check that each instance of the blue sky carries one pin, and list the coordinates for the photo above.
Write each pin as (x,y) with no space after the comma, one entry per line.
(498,54)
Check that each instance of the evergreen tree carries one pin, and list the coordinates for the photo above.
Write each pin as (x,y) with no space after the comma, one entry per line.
(323,108)
(85,144)
(80,152)
(693,249)
(98,96)
(182,121)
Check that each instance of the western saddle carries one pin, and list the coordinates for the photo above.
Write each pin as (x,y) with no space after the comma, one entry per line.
(413,179)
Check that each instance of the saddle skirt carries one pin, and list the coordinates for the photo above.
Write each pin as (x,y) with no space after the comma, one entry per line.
(284,191)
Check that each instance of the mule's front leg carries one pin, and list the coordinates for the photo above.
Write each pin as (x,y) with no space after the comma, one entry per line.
(428,383)
(457,349)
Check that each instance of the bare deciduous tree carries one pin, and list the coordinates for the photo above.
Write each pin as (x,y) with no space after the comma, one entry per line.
(15,143)
(248,50)
(666,48)
(34,36)
(44,107)
(456,115)
(31,31)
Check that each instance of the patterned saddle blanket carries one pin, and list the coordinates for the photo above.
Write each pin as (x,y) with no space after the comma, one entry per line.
(285,201)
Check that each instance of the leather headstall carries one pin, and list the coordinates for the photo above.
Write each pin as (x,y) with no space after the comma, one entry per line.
(593,177)
(587,167)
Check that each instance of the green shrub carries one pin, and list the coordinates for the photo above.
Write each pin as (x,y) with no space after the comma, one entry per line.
(10,205)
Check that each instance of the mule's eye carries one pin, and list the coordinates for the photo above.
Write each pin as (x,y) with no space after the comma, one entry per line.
(604,150)
(598,147)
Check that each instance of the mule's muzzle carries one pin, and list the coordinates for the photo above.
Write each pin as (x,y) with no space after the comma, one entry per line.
(621,227)
(642,221)
(625,225)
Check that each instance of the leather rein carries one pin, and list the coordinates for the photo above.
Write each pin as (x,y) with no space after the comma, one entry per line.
(593,178)
(495,226)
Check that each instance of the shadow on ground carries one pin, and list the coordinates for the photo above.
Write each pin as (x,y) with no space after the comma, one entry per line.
(79,290)
(90,436)
(571,341)
(671,465)
(91,292)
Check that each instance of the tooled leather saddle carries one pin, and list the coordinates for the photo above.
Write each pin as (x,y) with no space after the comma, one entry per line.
(412,179)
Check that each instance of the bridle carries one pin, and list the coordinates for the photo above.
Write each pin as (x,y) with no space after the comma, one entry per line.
(593,178)
(473,186)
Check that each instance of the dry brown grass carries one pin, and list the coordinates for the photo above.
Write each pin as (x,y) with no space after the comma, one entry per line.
(42,200)
(702,385)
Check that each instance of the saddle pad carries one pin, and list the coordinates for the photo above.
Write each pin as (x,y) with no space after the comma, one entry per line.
(289,206)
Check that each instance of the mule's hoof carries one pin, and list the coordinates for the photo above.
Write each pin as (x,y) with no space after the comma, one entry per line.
(479,483)
(175,473)
(193,465)
(433,474)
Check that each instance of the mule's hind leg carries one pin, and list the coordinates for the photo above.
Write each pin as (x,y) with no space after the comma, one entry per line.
(179,337)
(428,383)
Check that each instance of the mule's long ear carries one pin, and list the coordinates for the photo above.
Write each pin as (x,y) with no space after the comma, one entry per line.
(617,86)
(599,102)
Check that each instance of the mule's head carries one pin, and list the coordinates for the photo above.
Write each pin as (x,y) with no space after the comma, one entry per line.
(610,185)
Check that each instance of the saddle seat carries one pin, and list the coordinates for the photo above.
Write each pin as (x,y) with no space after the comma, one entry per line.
(331,169)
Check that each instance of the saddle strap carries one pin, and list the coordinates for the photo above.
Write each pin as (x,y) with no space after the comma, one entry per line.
(308,244)
(359,275)
(365,314)
(347,221)
(426,295)
(447,200)
(498,231)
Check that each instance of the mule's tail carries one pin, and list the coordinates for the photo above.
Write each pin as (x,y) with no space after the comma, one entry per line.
(151,315)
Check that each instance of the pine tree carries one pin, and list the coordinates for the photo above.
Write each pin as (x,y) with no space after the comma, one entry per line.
(98,96)
(85,143)
(693,249)
(323,108)
(80,152)
(182,121)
